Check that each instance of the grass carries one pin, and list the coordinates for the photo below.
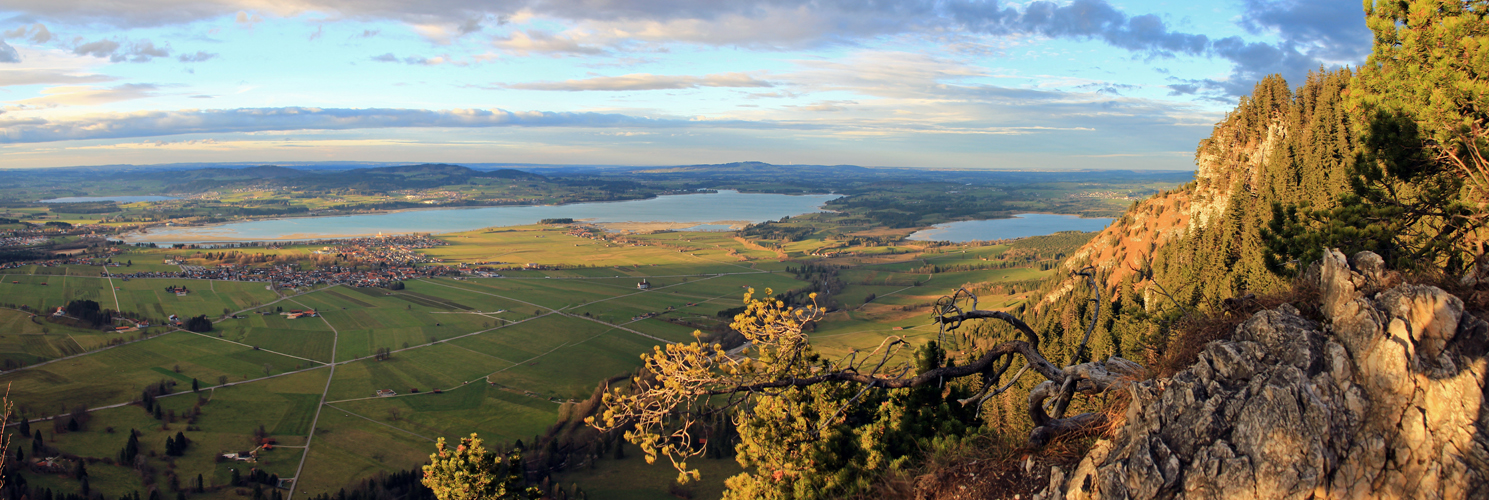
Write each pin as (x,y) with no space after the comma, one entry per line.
(440,366)
(560,374)
(497,415)
(305,337)
(118,375)
(25,341)
(348,448)
(227,421)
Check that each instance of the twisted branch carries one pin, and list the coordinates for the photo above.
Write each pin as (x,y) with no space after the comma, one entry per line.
(663,409)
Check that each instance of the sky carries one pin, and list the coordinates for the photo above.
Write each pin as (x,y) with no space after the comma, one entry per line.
(946,84)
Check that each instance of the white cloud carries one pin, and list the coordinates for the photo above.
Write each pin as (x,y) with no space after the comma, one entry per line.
(530,42)
(86,95)
(165,123)
(42,76)
(645,81)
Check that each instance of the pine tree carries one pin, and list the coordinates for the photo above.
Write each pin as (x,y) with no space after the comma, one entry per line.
(131,448)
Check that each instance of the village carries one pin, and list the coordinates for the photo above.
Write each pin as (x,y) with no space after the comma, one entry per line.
(294,277)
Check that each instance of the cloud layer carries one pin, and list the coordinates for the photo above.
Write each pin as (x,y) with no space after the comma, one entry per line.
(645,81)
(1311,33)
(162,123)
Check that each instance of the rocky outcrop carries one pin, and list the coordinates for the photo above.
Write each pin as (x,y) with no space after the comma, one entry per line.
(1384,399)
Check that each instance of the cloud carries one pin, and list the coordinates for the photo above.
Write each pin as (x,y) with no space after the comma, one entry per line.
(199,56)
(247,20)
(1311,32)
(27,76)
(8,54)
(644,81)
(1081,19)
(447,30)
(417,60)
(826,106)
(542,42)
(164,123)
(39,33)
(1331,31)
(87,95)
(100,48)
(140,51)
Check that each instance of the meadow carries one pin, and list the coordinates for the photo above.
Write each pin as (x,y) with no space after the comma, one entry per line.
(495,356)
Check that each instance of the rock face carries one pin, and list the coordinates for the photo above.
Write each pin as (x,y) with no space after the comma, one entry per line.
(1384,400)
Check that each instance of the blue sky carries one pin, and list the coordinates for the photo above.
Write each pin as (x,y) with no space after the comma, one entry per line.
(933,84)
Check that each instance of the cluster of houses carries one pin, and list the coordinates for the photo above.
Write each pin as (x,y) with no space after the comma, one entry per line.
(298,313)
(73,261)
(293,277)
(23,241)
(250,456)
(180,291)
(385,250)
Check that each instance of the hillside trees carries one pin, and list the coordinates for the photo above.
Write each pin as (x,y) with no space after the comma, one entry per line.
(1421,181)
(1278,147)
(1430,62)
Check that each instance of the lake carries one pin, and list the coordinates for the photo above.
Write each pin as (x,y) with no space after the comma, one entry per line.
(703,208)
(119,199)
(1019,226)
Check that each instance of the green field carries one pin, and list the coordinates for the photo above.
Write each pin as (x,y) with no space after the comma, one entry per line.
(118,375)
(26,340)
(504,353)
(226,423)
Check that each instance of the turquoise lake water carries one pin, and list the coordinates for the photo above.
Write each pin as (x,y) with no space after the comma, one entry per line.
(1019,226)
(703,208)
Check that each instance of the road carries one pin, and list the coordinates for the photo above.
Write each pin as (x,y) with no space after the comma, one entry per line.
(335,337)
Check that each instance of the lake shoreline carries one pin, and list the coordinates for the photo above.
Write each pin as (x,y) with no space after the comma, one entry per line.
(210,234)
(1021,225)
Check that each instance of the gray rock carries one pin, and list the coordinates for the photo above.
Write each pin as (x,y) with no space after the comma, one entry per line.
(1384,400)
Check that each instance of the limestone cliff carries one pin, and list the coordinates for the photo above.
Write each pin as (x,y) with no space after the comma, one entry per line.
(1381,399)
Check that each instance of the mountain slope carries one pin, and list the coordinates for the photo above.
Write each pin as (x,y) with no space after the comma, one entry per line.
(1201,243)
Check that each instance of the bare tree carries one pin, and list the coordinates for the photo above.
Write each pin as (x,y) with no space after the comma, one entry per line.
(683,384)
